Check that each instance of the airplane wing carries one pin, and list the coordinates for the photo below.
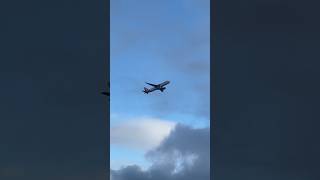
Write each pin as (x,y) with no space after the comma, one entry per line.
(154,85)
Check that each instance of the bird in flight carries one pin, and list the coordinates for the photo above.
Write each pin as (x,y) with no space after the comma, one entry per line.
(156,87)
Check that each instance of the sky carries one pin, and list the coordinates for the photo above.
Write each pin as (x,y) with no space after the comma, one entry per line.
(154,41)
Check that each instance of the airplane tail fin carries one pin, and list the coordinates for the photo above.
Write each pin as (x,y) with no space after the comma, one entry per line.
(146,90)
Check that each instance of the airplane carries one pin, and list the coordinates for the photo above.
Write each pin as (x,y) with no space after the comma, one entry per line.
(156,87)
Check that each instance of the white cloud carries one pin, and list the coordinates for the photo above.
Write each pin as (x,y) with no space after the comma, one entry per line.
(141,133)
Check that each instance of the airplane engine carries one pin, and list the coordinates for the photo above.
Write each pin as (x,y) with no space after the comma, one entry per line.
(162,89)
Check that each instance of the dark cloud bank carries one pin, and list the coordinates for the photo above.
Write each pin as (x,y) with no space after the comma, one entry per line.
(183,155)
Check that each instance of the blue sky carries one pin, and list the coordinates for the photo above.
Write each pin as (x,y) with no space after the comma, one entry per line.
(153,41)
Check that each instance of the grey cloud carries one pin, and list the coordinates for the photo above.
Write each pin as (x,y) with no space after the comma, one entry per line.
(184,155)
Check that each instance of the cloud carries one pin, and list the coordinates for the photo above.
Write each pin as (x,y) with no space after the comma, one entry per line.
(183,155)
(142,133)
